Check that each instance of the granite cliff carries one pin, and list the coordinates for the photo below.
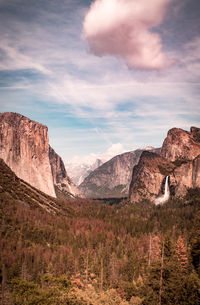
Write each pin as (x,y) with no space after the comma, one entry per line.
(181,144)
(179,160)
(60,178)
(24,147)
(148,176)
(112,179)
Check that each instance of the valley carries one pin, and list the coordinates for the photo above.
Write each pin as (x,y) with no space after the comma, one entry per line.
(65,248)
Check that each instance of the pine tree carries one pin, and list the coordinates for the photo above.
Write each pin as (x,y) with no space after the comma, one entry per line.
(182,254)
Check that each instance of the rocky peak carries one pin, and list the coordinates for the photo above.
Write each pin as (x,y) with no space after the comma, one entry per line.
(180,144)
(179,159)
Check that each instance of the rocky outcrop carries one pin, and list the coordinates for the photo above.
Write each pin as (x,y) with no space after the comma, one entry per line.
(60,177)
(24,147)
(181,145)
(186,176)
(112,179)
(179,159)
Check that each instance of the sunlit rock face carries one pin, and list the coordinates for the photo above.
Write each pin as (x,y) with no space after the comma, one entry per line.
(180,144)
(60,177)
(24,147)
(179,159)
(187,176)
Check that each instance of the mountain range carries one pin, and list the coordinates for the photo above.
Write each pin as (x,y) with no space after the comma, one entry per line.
(138,174)
(112,179)
(79,171)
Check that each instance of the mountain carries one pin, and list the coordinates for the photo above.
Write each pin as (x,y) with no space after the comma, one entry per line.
(112,179)
(179,160)
(60,178)
(148,176)
(24,147)
(181,144)
(80,168)
(79,171)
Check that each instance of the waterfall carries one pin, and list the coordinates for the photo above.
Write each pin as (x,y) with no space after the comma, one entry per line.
(166,195)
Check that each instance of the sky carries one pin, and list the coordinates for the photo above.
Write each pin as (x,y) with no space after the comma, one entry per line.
(101,74)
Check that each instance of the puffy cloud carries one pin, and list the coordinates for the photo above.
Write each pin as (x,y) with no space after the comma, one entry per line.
(123,28)
(113,150)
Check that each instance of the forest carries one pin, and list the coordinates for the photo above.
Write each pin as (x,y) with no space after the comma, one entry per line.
(97,251)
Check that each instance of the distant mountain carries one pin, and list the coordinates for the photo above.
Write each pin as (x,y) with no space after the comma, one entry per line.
(24,147)
(80,168)
(179,160)
(78,172)
(112,179)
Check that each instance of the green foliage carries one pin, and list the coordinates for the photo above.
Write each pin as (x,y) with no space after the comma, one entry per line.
(176,287)
(195,244)
(91,297)
(54,291)
(24,292)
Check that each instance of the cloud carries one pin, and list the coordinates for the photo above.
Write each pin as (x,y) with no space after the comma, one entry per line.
(15,60)
(123,28)
(113,150)
(135,108)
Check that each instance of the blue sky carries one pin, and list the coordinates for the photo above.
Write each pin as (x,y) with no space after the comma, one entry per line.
(57,66)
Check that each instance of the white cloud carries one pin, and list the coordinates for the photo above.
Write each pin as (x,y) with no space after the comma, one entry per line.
(16,60)
(113,150)
(98,89)
(123,28)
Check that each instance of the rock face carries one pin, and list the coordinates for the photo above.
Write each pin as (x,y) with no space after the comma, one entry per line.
(60,177)
(179,159)
(180,144)
(148,176)
(24,147)
(111,179)
(186,176)
(195,132)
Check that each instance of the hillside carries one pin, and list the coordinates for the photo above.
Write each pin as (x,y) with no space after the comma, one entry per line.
(85,252)
(16,191)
